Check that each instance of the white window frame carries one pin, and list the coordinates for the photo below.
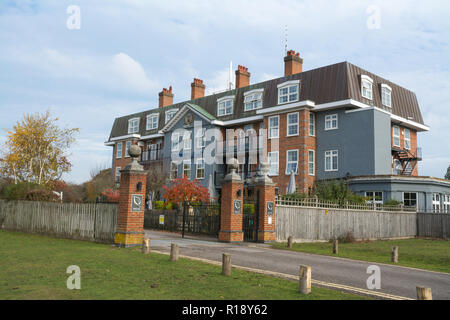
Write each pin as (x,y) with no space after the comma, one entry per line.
(187,141)
(288,85)
(187,163)
(407,139)
(133,125)
(199,165)
(312,124)
(373,197)
(200,138)
(224,100)
(150,121)
(446,203)
(369,88)
(436,202)
(173,170)
(313,162)
(127,148)
(251,100)
(329,119)
(331,154)
(288,162)
(119,149)
(175,142)
(275,127)
(417,197)
(386,95)
(272,163)
(288,125)
(169,114)
(117,174)
(394,136)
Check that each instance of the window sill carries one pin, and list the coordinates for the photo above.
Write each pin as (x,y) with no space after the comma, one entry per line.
(283,103)
(331,129)
(292,135)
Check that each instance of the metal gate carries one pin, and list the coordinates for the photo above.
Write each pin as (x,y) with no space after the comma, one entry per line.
(250,215)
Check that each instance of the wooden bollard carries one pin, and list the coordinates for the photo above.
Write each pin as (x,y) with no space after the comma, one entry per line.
(289,244)
(226,264)
(424,293)
(146,246)
(173,252)
(335,246)
(394,254)
(304,280)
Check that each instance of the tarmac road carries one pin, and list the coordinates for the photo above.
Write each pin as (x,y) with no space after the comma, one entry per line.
(395,280)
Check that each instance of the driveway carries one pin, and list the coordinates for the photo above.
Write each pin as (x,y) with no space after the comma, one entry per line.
(326,271)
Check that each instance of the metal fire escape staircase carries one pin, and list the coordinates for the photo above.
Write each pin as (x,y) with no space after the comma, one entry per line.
(408,159)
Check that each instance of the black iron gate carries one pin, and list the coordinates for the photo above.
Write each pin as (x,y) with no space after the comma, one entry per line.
(250,215)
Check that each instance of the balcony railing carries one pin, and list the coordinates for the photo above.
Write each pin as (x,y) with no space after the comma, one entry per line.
(152,155)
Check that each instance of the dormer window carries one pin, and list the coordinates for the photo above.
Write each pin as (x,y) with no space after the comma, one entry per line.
(366,87)
(253,99)
(386,95)
(225,106)
(288,91)
(152,121)
(170,114)
(133,125)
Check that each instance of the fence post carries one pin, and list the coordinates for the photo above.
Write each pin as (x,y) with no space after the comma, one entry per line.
(146,246)
(290,242)
(173,252)
(335,246)
(394,254)
(226,264)
(424,293)
(304,280)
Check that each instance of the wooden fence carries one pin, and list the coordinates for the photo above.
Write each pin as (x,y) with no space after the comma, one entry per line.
(433,225)
(303,223)
(93,222)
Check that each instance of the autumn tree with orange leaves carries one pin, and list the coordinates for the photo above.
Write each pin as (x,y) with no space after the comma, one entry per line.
(36,150)
(187,192)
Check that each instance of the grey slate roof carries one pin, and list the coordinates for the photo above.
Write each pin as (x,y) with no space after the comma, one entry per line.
(331,83)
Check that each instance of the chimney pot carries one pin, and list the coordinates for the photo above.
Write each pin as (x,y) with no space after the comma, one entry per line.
(293,64)
(242,77)
(197,89)
(165,97)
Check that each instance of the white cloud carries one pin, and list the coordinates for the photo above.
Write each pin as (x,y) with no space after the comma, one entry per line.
(131,73)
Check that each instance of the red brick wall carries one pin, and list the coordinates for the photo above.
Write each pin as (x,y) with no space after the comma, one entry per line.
(229,221)
(303,143)
(413,142)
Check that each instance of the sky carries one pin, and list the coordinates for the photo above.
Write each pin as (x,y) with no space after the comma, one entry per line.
(122,53)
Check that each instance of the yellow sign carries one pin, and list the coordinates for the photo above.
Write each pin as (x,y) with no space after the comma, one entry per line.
(326,211)
(161,219)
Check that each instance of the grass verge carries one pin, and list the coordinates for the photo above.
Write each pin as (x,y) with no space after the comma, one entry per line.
(416,253)
(34,267)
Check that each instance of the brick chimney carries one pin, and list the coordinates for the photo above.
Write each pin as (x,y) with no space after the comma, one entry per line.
(292,63)
(197,89)
(165,97)
(242,77)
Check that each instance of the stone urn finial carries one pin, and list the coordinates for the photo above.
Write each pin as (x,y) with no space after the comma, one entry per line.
(134,152)
(233,165)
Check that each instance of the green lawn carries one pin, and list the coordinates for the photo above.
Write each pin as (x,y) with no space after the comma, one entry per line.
(34,267)
(417,253)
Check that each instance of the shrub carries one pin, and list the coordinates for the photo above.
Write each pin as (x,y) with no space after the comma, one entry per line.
(18,191)
(40,194)
(249,208)
(393,202)
(159,205)
(347,238)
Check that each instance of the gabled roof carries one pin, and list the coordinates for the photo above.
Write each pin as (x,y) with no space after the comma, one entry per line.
(337,82)
(188,106)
